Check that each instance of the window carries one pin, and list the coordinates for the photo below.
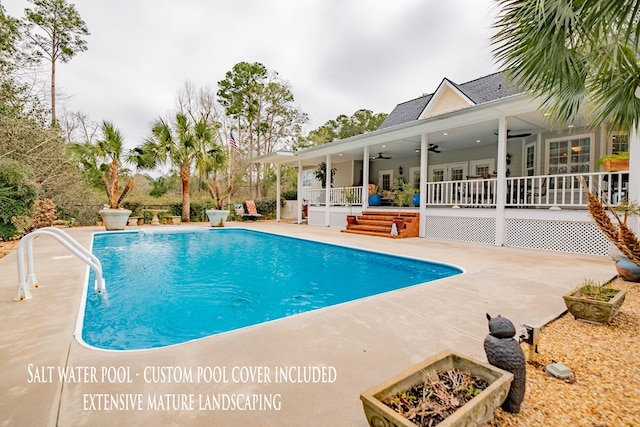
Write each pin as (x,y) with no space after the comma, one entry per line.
(307,177)
(619,143)
(567,156)
(530,159)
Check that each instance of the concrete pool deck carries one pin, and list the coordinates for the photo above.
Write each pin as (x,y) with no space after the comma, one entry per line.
(363,342)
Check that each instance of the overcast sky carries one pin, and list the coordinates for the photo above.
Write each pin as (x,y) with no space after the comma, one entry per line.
(337,55)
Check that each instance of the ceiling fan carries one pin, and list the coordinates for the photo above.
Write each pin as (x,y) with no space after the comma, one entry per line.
(380,156)
(517,135)
(433,148)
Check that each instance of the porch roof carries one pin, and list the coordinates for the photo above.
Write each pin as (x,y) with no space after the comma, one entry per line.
(464,128)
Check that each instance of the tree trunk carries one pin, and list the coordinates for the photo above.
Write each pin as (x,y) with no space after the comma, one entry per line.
(53,87)
(186,200)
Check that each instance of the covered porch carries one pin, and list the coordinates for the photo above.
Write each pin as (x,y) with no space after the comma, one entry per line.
(495,173)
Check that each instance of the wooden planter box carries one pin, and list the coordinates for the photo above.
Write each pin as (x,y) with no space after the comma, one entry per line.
(616,165)
(477,411)
(593,311)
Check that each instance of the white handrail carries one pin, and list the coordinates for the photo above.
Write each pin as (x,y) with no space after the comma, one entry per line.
(28,279)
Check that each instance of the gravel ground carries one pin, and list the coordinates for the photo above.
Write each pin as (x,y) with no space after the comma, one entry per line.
(605,361)
(6,247)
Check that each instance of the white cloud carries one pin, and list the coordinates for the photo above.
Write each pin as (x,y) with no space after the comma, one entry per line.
(337,55)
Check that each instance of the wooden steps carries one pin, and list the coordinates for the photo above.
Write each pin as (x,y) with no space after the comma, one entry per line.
(379,223)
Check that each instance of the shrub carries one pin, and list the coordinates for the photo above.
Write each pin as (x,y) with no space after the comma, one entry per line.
(290,195)
(17,195)
(266,207)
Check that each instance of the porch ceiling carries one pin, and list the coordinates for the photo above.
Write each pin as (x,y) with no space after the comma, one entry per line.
(455,130)
(456,138)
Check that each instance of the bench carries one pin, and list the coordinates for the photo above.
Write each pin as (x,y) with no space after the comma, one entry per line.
(135,220)
(171,219)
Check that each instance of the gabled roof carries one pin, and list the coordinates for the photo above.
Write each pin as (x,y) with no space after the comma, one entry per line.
(481,90)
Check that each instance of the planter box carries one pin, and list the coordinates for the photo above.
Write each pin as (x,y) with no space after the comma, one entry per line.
(593,311)
(616,165)
(477,411)
(114,219)
(217,218)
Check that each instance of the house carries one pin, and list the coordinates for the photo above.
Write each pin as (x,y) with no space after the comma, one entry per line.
(487,165)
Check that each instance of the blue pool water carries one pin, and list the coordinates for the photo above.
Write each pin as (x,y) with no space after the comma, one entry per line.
(168,288)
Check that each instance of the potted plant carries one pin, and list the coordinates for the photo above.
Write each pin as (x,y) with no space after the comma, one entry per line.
(594,302)
(374,198)
(110,149)
(350,196)
(321,174)
(218,215)
(479,409)
(615,162)
(401,196)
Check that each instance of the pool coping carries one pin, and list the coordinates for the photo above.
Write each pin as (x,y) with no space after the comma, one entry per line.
(366,341)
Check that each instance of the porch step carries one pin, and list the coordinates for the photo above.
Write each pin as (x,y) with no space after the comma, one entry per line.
(376,223)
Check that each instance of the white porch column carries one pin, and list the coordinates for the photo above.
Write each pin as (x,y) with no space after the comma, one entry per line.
(299,197)
(278,191)
(424,165)
(634,175)
(501,187)
(365,178)
(327,192)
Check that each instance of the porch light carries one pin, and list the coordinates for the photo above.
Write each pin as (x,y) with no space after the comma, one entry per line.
(400,170)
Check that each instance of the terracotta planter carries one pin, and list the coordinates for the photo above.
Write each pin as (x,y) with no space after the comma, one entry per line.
(217,218)
(115,219)
(399,222)
(477,411)
(593,311)
(352,220)
(616,165)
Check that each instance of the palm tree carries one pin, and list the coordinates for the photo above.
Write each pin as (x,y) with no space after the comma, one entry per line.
(568,52)
(183,144)
(102,162)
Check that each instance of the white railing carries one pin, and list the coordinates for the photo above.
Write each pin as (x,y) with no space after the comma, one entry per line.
(531,191)
(341,196)
(28,279)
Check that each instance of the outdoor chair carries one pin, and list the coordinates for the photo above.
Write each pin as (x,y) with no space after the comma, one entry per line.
(536,193)
(251,213)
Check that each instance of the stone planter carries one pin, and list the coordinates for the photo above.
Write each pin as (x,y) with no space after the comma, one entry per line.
(114,219)
(477,411)
(590,310)
(217,218)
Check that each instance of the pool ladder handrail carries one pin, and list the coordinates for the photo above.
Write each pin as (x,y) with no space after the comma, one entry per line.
(28,280)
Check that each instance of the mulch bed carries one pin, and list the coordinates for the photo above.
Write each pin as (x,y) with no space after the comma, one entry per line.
(605,391)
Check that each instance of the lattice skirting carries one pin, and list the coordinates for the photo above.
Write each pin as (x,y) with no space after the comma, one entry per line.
(480,230)
(558,236)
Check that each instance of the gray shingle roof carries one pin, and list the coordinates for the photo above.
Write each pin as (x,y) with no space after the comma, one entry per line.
(481,90)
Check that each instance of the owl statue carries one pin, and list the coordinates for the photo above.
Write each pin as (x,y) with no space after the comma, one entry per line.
(505,352)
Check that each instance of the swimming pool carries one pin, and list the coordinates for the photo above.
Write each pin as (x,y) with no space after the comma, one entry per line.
(166,288)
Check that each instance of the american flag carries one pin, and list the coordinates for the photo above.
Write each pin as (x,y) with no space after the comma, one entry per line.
(233,143)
